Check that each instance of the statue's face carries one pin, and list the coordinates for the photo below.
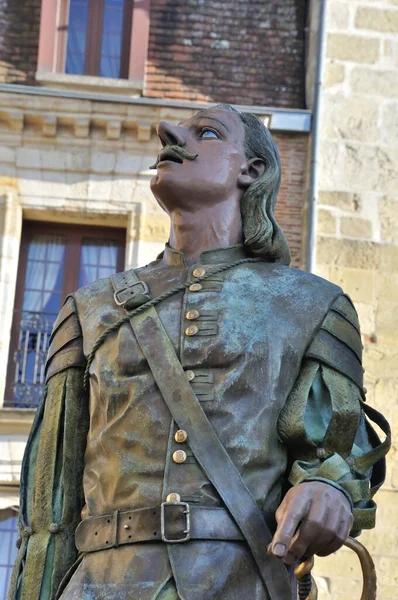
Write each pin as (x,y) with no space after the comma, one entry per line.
(216,138)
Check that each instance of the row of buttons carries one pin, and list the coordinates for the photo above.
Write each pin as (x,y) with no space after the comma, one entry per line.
(198,272)
(179,456)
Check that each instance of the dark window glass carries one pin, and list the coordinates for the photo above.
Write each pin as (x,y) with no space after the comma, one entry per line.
(8,552)
(99,33)
(111,45)
(77,37)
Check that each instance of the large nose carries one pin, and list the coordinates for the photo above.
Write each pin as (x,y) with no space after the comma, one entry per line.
(169,134)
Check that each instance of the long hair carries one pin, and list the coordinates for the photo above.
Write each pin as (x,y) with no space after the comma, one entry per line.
(261,231)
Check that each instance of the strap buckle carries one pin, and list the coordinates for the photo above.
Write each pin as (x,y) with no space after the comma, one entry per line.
(139,288)
(187,527)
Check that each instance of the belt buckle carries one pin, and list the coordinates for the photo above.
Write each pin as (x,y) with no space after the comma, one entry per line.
(186,531)
(143,291)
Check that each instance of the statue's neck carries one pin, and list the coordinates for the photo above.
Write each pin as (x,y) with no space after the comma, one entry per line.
(206,229)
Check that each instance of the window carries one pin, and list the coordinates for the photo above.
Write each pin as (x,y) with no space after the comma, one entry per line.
(98,37)
(8,548)
(55,260)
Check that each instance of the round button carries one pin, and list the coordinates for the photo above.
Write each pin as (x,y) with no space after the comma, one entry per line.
(192,314)
(190,375)
(179,456)
(54,528)
(173,497)
(27,531)
(191,330)
(321,453)
(195,287)
(199,272)
(181,436)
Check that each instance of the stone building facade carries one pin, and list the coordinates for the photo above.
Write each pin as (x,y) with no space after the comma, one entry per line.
(358,237)
(75,151)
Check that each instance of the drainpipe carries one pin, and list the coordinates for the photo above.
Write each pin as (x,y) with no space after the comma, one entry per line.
(315,141)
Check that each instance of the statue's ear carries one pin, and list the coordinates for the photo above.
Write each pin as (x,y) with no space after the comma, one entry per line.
(250,171)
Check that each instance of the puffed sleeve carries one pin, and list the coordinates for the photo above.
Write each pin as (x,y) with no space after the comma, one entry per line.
(326,423)
(52,469)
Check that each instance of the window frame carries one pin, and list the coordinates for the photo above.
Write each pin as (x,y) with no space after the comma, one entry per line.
(53,42)
(74,235)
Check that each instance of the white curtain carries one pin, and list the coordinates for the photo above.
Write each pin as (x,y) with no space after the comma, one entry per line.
(41,275)
(98,259)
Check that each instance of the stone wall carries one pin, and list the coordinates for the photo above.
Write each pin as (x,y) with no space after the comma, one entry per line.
(19,40)
(227,51)
(358,238)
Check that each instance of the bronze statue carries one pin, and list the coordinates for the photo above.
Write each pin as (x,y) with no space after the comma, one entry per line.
(204,426)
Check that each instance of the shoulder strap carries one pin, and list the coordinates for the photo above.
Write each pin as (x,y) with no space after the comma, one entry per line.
(207,448)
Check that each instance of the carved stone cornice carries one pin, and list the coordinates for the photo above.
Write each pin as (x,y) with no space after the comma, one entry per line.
(52,113)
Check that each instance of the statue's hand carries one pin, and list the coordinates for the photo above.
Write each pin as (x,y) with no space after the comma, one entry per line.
(313,518)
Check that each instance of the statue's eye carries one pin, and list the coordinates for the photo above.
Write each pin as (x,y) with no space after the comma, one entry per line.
(208,134)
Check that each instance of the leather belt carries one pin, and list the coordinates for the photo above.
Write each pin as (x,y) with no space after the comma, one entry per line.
(171,522)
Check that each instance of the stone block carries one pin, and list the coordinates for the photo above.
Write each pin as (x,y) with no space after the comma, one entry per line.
(344,562)
(331,161)
(380,361)
(122,189)
(366,168)
(394,483)
(323,271)
(367,318)
(99,187)
(389,220)
(351,118)
(374,82)
(76,186)
(28,158)
(355,227)
(387,287)
(385,394)
(388,259)
(338,16)
(326,222)
(386,320)
(102,162)
(52,160)
(359,284)
(387,592)
(389,119)
(343,200)
(334,74)
(390,54)
(127,162)
(151,228)
(28,180)
(78,161)
(7,155)
(377,19)
(380,541)
(113,130)
(354,48)
(348,253)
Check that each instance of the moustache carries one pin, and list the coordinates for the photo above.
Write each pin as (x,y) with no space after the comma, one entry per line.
(178,151)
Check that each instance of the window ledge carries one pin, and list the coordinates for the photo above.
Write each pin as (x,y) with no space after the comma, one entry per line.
(89,82)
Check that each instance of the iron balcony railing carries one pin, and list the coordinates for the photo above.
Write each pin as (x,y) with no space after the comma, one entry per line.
(30,358)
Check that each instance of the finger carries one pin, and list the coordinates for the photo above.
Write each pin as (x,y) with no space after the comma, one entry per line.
(287,525)
(309,532)
(330,529)
(341,536)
